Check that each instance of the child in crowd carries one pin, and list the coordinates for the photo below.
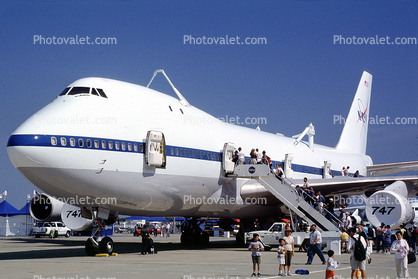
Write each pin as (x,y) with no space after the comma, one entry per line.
(256,246)
(331,264)
(281,251)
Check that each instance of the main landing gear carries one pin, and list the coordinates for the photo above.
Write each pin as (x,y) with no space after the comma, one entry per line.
(98,244)
(192,234)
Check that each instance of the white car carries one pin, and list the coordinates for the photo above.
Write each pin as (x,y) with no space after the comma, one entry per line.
(45,229)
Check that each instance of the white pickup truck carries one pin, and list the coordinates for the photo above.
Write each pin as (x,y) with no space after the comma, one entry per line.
(45,229)
(271,236)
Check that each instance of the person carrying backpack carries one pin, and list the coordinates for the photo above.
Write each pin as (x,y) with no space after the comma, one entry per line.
(358,246)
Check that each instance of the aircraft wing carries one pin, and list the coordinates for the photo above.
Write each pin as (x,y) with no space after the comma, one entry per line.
(357,186)
(383,169)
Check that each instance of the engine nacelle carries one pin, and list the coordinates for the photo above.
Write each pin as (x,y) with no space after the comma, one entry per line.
(71,216)
(390,206)
(45,208)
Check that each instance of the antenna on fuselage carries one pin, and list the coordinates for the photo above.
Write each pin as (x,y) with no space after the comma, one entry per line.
(183,100)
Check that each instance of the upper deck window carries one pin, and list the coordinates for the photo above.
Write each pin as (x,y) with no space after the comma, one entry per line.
(79,90)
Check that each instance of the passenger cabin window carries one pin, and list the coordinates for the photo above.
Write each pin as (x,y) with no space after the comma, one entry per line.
(72,141)
(53,140)
(63,141)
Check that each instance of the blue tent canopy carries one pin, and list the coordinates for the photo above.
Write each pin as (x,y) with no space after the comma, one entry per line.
(24,210)
(6,209)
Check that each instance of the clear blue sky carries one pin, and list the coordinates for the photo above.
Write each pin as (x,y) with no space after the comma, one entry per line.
(299,76)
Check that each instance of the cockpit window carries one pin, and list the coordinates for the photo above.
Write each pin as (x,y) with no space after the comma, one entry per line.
(65,91)
(79,90)
(94,92)
(101,92)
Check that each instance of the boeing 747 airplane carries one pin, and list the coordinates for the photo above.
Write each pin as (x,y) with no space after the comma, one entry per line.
(105,148)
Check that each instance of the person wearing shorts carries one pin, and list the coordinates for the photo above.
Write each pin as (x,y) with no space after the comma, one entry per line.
(255,247)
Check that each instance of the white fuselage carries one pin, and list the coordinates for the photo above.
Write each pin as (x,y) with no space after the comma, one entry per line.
(41,150)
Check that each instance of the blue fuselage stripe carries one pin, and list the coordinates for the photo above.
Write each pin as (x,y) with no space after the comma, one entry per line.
(134,147)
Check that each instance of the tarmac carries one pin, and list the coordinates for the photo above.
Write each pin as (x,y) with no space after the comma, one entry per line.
(45,258)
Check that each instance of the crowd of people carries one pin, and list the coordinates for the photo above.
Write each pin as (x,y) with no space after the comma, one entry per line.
(256,157)
(359,246)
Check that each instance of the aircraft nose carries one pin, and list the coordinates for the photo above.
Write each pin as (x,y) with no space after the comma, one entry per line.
(22,152)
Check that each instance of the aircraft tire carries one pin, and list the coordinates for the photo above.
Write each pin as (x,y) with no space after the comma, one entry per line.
(204,238)
(106,245)
(185,238)
(91,248)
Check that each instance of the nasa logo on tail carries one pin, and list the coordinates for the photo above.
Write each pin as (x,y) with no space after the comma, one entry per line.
(362,111)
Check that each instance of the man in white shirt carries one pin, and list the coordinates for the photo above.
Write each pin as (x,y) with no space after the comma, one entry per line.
(259,156)
(401,248)
(315,247)
(241,156)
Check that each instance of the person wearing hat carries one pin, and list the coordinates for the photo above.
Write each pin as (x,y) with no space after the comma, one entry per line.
(290,248)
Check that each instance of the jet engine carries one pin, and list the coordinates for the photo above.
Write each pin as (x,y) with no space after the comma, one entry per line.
(45,208)
(390,206)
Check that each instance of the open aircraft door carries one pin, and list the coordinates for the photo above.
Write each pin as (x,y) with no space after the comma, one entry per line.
(155,151)
(227,154)
(288,172)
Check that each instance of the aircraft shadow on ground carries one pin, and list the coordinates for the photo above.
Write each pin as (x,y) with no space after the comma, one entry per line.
(64,248)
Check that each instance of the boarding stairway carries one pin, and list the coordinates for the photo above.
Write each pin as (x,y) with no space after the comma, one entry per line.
(284,190)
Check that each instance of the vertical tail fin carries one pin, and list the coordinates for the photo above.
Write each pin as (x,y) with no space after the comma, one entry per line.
(354,134)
